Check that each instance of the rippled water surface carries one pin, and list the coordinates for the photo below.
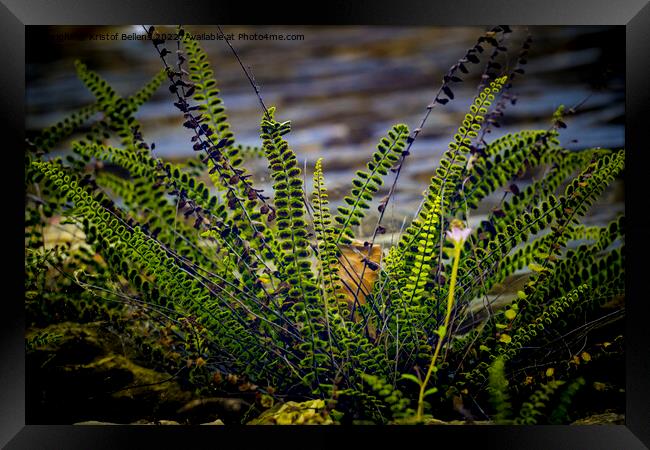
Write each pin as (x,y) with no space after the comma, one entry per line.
(343,87)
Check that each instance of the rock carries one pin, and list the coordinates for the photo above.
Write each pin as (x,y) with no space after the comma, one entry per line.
(81,375)
(157,422)
(292,413)
(226,404)
(137,422)
(428,420)
(95,422)
(209,409)
(74,343)
(608,418)
(167,422)
(216,422)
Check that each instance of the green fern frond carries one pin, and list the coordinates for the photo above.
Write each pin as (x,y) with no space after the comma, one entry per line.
(579,195)
(51,136)
(291,235)
(415,288)
(102,90)
(560,414)
(291,224)
(485,252)
(117,110)
(229,174)
(530,410)
(328,251)
(207,90)
(367,183)
(510,155)
(160,276)
(444,183)
(388,398)
(138,165)
(159,213)
(498,390)
(211,105)
(41,339)
(144,94)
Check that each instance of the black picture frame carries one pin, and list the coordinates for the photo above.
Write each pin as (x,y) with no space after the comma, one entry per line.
(634,15)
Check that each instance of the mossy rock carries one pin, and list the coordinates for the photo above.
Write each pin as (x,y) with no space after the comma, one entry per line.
(311,412)
(68,343)
(412,420)
(428,420)
(84,373)
(608,418)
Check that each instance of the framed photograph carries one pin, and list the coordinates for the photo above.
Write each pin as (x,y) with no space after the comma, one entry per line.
(401,221)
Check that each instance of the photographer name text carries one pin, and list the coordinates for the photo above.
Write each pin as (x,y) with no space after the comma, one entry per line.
(116,36)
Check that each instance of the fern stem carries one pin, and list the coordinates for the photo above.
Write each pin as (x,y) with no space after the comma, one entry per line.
(212,145)
(442,330)
(246,72)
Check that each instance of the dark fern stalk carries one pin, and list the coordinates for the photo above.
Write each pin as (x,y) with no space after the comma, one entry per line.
(366,183)
(452,164)
(203,140)
(442,97)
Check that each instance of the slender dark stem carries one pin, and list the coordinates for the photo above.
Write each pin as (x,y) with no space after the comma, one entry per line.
(436,100)
(248,75)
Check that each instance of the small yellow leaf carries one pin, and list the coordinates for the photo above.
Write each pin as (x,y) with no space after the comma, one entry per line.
(586,356)
(550,371)
(505,338)
(510,314)
(536,267)
(599,386)
(284,419)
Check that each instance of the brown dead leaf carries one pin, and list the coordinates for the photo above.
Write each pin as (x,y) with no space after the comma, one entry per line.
(351,268)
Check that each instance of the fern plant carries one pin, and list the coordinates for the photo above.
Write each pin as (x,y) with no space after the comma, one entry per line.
(260,276)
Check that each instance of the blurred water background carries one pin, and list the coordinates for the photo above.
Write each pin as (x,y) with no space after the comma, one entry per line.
(343,87)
